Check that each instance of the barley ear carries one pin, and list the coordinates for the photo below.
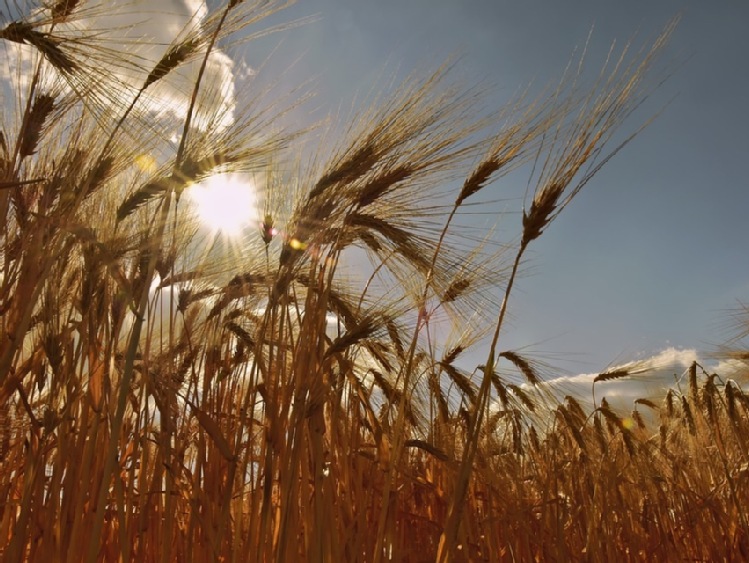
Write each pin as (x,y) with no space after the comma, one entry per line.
(63,9)
(43,106)
(175,56)
(46,44)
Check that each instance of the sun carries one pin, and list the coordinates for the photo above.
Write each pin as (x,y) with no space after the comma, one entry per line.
(225,202)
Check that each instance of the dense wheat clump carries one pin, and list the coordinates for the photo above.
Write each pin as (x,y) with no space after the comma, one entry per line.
(305,395)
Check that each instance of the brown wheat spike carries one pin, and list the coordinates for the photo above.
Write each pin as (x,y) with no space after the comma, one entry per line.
(575,409)
(637,417)
(369,241)
(461,380)
(46,44)
(43,106)
(571,425)
(611,375)
(455,290)
(141,197)
(403,242)
(354,334)
(356,166)
(240,333)
(541,212)
(436,393)
(501,389)
(533,435)
(730,393)
(647,403)
(175,56)
(670,398)
(688,418)
(338,304)
(63,9)
(380,184)
(395,337)
(599,433)
(612,419)
(427,447)
(709,392)
(693,388)
(478,179)
(380,351)
(523,365)
(522,396)
(452,354)
(98,175)
(393,395)
(195,169)
(663,434)
(629,441)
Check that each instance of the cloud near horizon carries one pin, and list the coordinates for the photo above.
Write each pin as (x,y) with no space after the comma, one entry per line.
(650,378)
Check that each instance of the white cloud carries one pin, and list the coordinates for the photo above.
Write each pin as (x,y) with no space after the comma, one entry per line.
(733,369)
(650,378)
(130,37)
(148,30)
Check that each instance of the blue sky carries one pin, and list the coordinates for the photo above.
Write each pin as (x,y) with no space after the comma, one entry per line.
(652,253)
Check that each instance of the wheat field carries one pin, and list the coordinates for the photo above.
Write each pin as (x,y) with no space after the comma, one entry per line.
(302,395)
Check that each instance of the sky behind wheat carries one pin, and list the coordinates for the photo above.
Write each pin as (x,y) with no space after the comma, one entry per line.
(652,253)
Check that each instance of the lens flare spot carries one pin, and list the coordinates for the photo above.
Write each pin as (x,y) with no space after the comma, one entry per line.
(297,244)
(146,163)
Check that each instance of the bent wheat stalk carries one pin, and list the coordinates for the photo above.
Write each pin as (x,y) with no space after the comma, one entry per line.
(596,121)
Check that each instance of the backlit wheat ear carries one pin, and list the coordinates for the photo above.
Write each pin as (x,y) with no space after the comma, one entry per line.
(572,426)
(437,395)
(351,168)
(42,107)
(663,437)
(363,329)
(381,184)
(478,178)
(523,365)
(709,396)
(576,410)
(599,433)
(670,401)
(174,57)
(501,388)
(455,290)
(460,379)
(731,392)
(694,393)
(688,418)
(611,375)
(522,396)
(647,403)
(63,9)
(452,354)
(45,43)
(613,421)
(637,417)
(427,447)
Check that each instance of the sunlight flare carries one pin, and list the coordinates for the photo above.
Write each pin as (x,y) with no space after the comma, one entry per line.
(225,202)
